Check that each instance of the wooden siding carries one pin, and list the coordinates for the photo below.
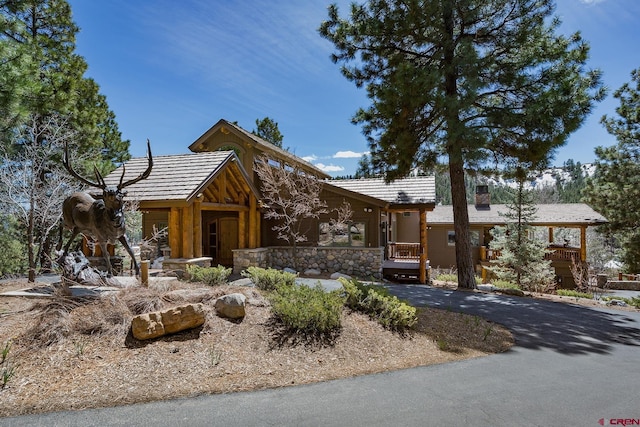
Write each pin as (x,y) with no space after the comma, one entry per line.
(333,200)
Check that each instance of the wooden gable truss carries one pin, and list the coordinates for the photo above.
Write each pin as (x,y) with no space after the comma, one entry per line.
(226,191)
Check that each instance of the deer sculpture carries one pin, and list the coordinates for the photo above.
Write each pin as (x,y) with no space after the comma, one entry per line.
(101,219)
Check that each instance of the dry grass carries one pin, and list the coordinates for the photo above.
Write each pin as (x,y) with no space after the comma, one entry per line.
(76,354)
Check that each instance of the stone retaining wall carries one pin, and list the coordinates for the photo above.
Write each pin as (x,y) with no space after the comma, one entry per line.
(624,285)
(357,262)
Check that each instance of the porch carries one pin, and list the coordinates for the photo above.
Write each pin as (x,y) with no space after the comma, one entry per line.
(562,258)
(554,253)
(402,261)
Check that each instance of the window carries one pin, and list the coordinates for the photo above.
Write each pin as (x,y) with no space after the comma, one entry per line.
(352,234)
(474,236)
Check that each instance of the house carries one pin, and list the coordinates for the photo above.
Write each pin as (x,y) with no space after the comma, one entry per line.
(210,202)
(564,226)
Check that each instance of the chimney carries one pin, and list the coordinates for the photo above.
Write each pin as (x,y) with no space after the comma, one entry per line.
(483,198)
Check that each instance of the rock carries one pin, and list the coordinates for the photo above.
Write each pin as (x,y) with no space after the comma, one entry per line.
(617,302)
(231,306)
(152,325)
(245,281)
(336,276)
(202,295)
(312,272)
(487,288)
(289,270)
(510,291)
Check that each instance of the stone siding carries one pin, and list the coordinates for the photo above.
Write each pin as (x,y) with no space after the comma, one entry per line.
(357,262)
(243,258)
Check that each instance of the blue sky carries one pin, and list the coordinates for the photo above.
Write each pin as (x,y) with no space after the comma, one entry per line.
(171,69)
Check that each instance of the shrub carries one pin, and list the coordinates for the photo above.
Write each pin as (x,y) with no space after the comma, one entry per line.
(504,284)
(307,310)
(573,293)
(269,279)
(7,369)
(387,309)
(447,277)
(209,275)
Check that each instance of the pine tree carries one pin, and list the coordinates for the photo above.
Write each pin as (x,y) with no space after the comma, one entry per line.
(614,189)
(267,129)
(471,82)
(45,82)
(38,47)
(521,259)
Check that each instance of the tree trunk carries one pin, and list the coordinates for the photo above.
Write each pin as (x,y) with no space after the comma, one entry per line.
(30,247)
(464,260)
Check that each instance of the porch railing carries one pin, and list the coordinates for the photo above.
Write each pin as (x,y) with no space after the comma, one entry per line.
(554,254)
(398,250)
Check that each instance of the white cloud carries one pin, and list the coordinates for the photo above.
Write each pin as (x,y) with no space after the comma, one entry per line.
(329,168)
(348,154)
(310,158)
(591,1)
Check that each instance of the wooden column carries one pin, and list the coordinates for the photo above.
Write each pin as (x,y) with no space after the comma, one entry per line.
(242,229)
(175,233)
(423,246)
(550,235)
(197,228)
(187,232)
(583,243)
(254,222)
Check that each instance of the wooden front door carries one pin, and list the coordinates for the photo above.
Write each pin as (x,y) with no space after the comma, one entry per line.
(220,239)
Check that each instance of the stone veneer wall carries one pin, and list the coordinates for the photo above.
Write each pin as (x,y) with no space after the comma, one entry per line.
(357,262)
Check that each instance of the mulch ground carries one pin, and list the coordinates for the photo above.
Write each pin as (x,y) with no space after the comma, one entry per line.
(79,353)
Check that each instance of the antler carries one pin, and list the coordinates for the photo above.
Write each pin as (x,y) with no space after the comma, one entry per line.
(143,175)
(101,184)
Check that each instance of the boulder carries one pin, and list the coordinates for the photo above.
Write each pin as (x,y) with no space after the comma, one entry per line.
(312,272)
(336,276)
(158,323)
(617,302)
(231,306)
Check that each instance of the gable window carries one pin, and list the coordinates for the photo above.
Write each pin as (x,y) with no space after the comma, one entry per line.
(474,236)
(350,235)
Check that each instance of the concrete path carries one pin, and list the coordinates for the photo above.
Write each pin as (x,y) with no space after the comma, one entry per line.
(571,366)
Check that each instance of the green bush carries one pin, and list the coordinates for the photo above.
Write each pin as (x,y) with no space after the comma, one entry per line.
(13,257)
(209,275)
(504,284)
(307,310)
(447,277)
(376,302)
(573,293)
(269,279)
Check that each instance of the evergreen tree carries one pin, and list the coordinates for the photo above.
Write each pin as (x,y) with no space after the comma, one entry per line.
(614,189)
(477,85)
(46,79)
(267,129)
(521,259)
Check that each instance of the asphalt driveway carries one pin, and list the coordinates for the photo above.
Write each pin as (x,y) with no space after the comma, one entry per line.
(571,366)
